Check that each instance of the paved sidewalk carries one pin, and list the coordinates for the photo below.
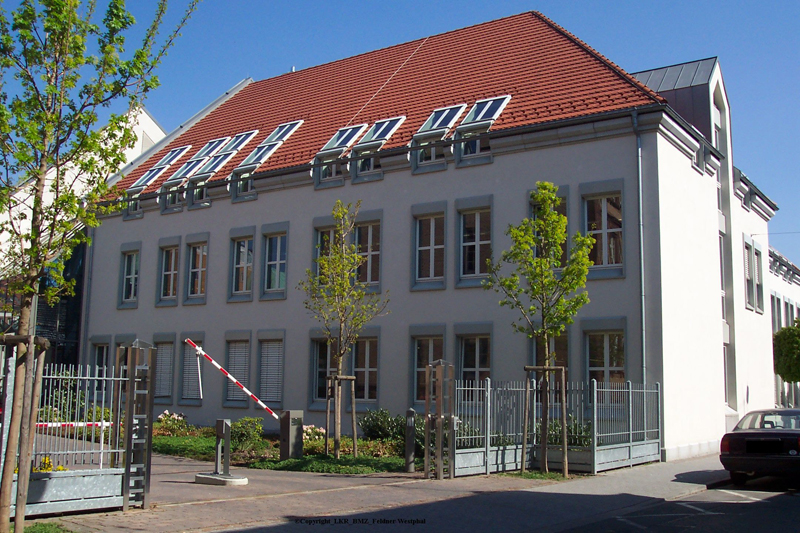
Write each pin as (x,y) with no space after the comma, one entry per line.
(292,500)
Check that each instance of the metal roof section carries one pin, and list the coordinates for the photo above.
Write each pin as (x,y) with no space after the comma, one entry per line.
(678,76)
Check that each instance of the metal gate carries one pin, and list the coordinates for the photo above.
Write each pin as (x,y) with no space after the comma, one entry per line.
(609,425)
(92,445)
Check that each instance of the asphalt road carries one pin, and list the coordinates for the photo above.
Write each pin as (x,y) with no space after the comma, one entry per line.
(764,504)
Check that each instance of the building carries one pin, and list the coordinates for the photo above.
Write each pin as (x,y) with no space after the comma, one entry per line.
(443,148)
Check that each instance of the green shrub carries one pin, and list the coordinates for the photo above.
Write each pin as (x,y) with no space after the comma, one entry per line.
(172,424)
(577,434)
(380,425)
(246,432)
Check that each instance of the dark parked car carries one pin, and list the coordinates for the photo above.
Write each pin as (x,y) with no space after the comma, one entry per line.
(763,443)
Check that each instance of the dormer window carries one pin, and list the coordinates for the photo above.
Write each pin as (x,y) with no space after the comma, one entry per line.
(474,146)
(485,112)
(440,121)
(159,168)
(269,145)
(328,169)
(368,163)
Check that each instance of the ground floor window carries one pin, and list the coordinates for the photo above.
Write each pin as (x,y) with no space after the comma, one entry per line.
(238,367)
(606,354)
(426,351)
(271,370)
(475,358)
(164,355)
(366,369)
(325,366)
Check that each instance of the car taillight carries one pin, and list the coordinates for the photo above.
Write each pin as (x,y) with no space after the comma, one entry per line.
(725,444)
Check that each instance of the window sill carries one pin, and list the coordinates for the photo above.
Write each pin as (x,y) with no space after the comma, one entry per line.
(235,404)
(237,298)
(270,296)
(191,401)
(471,161)
(318,405)
(249,197)
(199,205)
(366,178)
(167,303)
(424,168)
(329,184)
(128,305)
(172,209)
(363,406)
(373,288)
(437,285)
(605,273)
(471,283)
(133,216)
(201,300)
(162,401)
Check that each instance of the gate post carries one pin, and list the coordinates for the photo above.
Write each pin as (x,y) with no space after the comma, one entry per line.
(629,388)
(9,369)
(487,435)
(594,426)
(411,439)
(525,417)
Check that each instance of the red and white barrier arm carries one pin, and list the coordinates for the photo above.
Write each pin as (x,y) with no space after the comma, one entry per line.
(200,351)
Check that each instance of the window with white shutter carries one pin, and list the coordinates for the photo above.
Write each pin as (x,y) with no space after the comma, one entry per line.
(164,351)
(749,294)
(238,355)
(191,384)
(271,370)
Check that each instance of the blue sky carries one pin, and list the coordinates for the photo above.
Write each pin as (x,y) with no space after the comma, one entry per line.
(758,45)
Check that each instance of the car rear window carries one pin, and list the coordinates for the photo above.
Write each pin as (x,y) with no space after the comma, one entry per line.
(774,420)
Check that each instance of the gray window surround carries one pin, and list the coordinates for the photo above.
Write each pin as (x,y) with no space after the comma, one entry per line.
(271,335)
(606,325)
(270,230)
(233,336)
(191,204)
(165,243)
(166,338)
(747,250)
(329,183)
(463,330)
(237,197)
(127,214)
(758,261)
(101,340)
(426,210)
(472,160)
(598,188)
(438,165)
(128,248)
(317,335)
(237,234)
(357,177)
(367,217)
(194,239)
(327,222)
(188,351)
(416,331)
(467,205)
(177,207)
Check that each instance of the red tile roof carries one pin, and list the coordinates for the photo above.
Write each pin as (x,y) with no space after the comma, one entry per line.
(549,73)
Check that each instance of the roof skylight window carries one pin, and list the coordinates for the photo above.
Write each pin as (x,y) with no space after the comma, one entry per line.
(485,112)
(380,132)
(159,168)
(269,145)
(343,138)
(238,141)
(441,120)
(187,170)
(216,162)
(172,156)
(210,148)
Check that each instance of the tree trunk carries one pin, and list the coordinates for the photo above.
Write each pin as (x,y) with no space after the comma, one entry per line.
(10,461)
(545,408)
(26,441)
(24,467)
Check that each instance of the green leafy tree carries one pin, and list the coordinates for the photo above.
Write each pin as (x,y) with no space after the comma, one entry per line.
(61,63)
(543,286)
(336,298)
(786,352)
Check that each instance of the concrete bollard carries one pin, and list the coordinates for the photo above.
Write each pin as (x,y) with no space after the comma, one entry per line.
(291,435)
(411,439)
(222,460)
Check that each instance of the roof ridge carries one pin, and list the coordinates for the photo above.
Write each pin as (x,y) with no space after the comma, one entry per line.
(619,71)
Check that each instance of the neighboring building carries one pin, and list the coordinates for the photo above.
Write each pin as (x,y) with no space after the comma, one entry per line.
(784,286)
(60,324)
(443,147)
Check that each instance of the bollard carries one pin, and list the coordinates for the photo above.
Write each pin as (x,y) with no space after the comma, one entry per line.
(222,462)
(291,435)
(411,440)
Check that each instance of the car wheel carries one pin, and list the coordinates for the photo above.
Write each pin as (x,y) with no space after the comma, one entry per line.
(739,478)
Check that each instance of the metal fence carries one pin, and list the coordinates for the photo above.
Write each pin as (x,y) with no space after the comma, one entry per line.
(79,418)
(608,425)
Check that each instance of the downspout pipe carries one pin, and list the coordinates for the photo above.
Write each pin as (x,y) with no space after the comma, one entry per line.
(642,294)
